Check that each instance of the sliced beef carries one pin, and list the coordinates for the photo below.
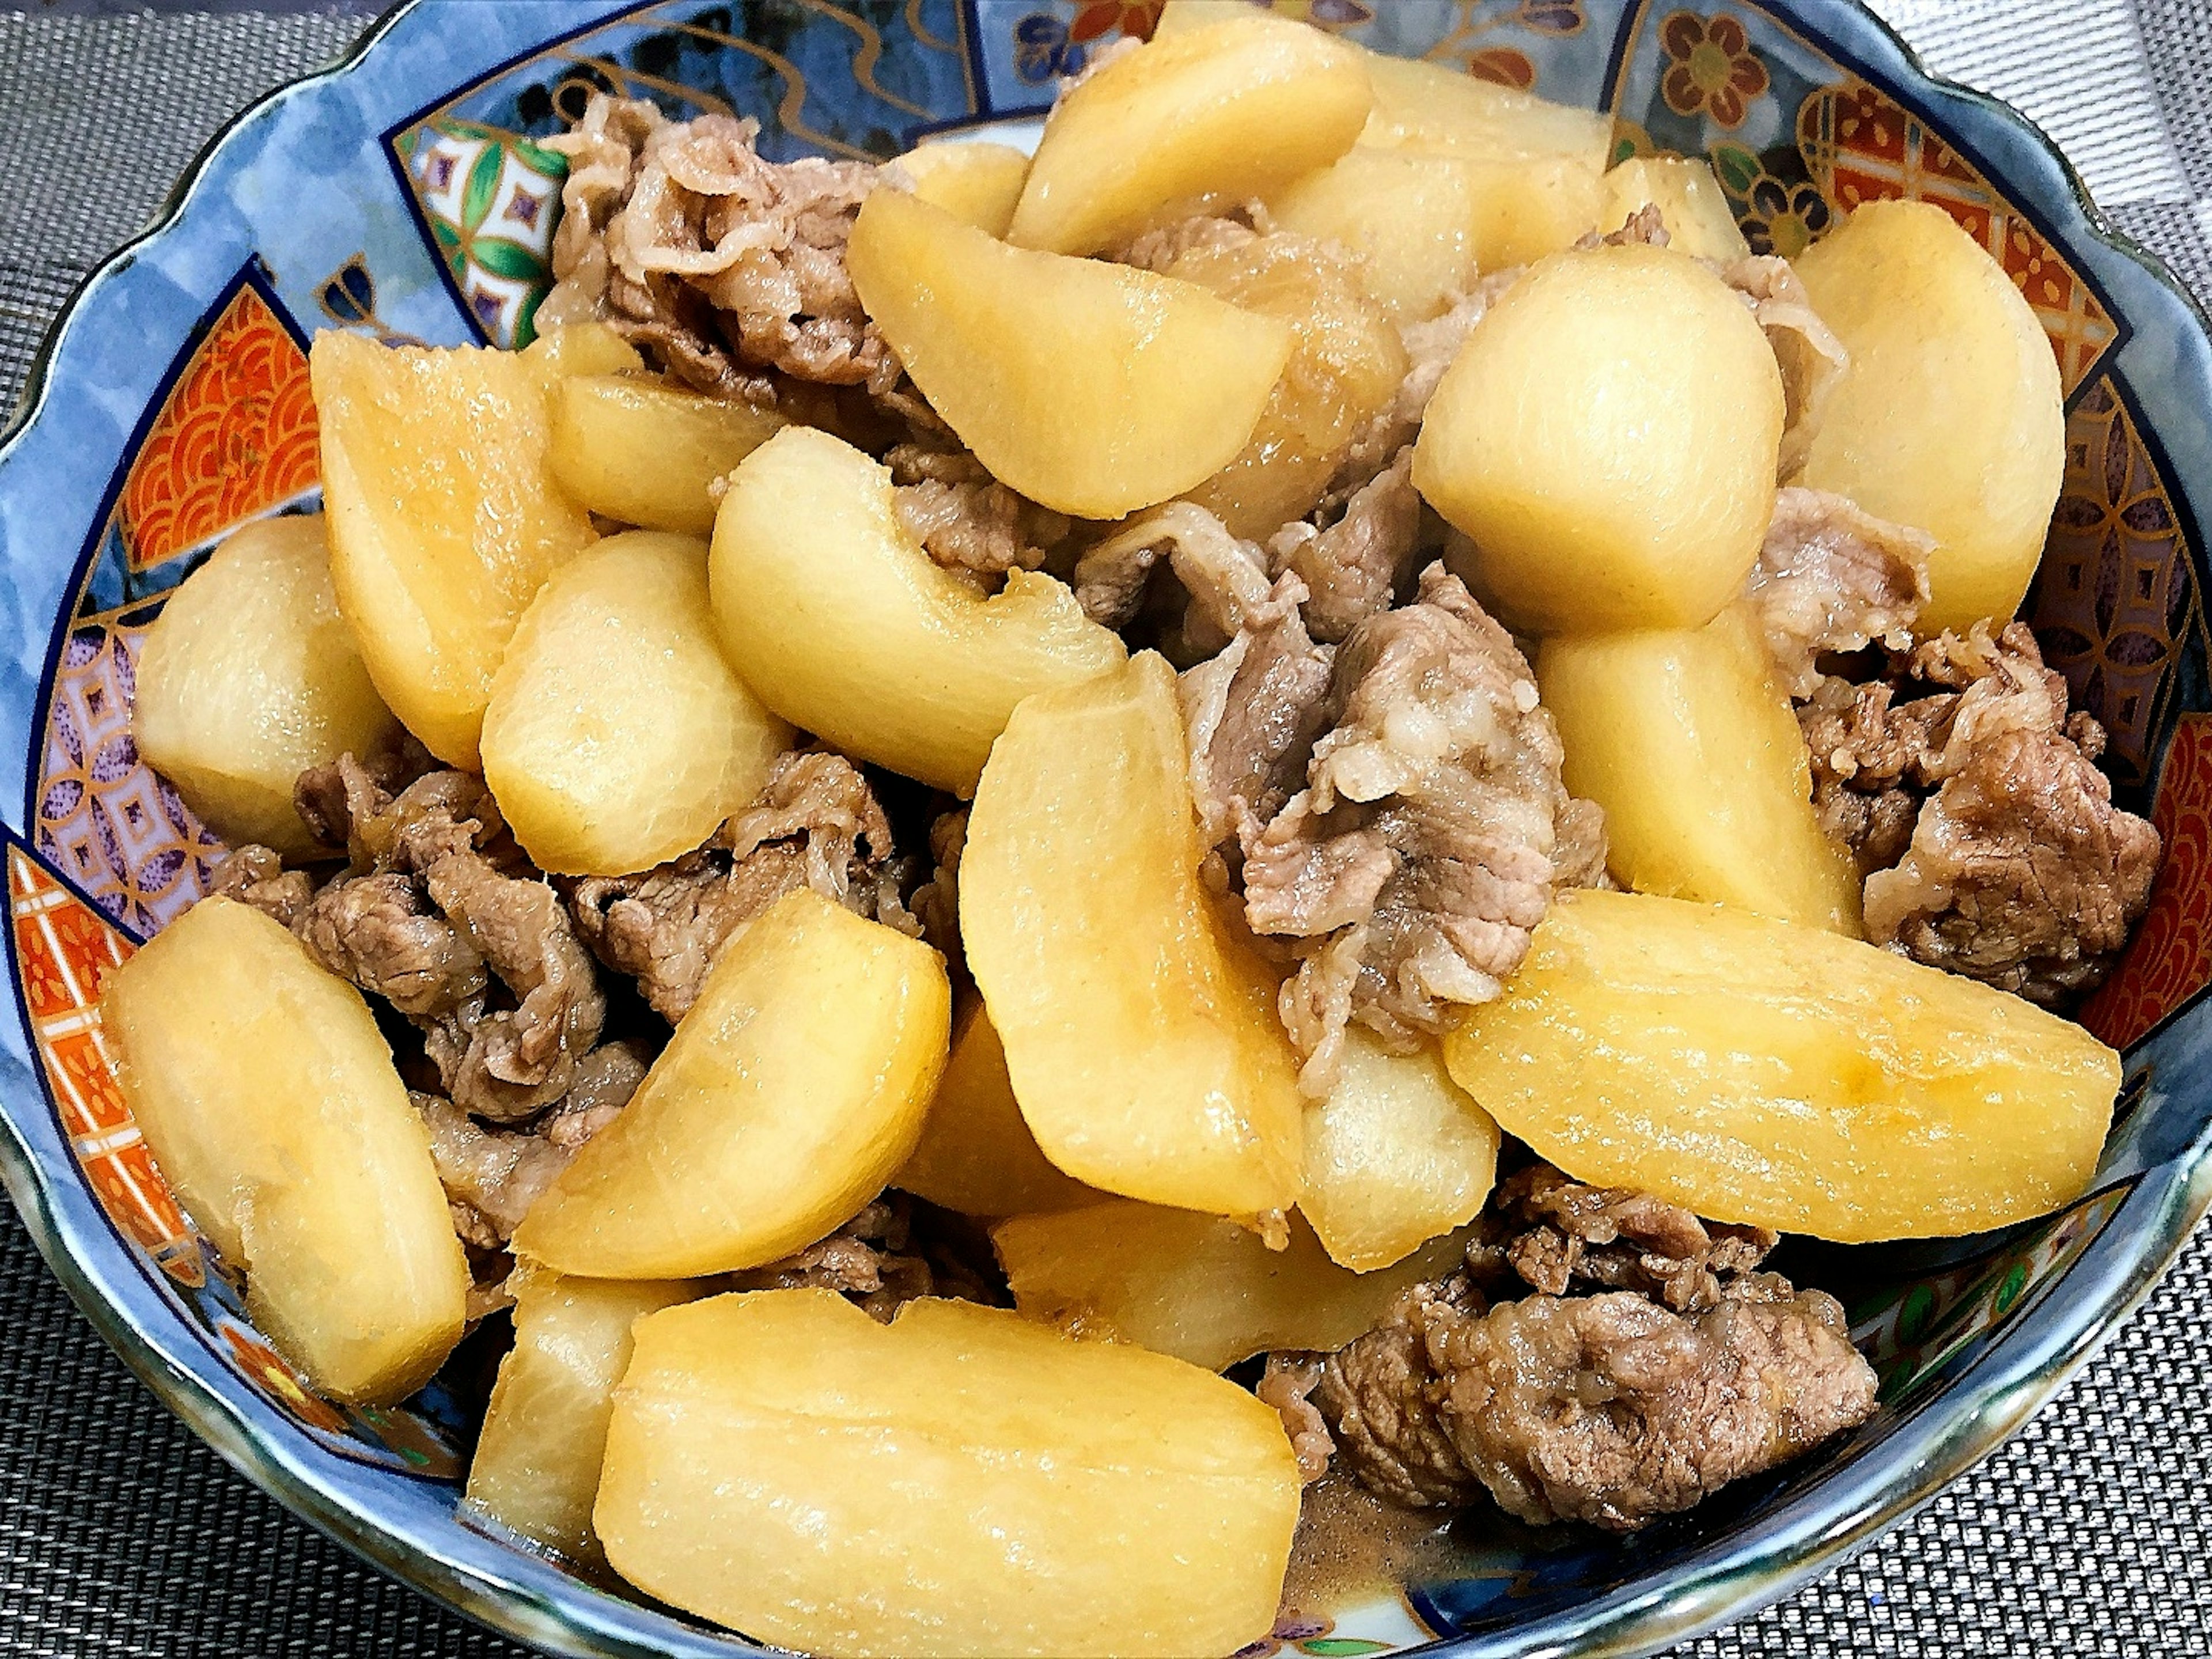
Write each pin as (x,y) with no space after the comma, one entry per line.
(936,902)
(894,1249)
(1806,349)
(816,824)
(1354,568)
(257,876)
(1287,1384)
(493,1176)
(384,932)
(1384,1399)
(1831,577)
(963,517)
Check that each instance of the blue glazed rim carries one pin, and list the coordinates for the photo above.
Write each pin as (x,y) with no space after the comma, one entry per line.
(372,1512)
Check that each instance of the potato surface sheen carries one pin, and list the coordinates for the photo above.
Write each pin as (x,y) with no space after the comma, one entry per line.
(536,1468)
(641,452)
(1607,438)
(1396,1155)
(1233,109)
(960,1481)
(1688,742)
(269,1100)
(840,623)
(790,1092)
(443,517)
(976,1155)
(1950,418)
(616,736)
(1141,1036)
(1753,1071)
(1698,219)
(977,183)
(1094,388)
(1196,1286)
(248,677)
(1413,219)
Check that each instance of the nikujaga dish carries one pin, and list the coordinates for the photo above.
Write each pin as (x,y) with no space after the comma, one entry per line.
(1308,789)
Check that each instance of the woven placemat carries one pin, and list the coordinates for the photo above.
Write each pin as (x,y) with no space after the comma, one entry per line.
(121,1534)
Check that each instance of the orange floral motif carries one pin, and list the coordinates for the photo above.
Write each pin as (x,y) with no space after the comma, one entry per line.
(2170,959)
(1135,18)
(1711,67)
(235,437)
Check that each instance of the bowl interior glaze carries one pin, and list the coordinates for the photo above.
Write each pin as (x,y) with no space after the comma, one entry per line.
(402,196)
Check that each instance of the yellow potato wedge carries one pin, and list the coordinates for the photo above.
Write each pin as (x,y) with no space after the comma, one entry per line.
(791,1092)
(1141,1036)
(976,1155)
(1094,388)
(1232,110)
(1420,104)
(1699,221)
(584,348)
(616,736)
(1413,219)
(641,452)
(536,1468)
(1607,439)
(977,183)
(248,677)
(270,1101)
(839,622)
(1754,1071)
(960,1481)
(1949,418)
(1196,1286)
(444,519)
(1687,740)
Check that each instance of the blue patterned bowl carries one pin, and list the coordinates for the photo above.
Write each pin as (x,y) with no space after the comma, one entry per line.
(401,195)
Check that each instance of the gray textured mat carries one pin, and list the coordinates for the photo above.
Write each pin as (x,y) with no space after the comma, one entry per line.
(121,1535)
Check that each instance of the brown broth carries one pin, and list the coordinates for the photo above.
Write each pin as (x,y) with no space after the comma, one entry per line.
(1350,1544)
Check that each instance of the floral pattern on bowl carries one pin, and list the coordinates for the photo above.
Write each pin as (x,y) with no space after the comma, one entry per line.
(407,196)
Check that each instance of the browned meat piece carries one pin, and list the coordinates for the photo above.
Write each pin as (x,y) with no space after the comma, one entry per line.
(884,1257)
(816,824)
(721,265)
(383,934)
(257,876)
(1832,578)
(936,902)
(1353,568)
(1558,1234)
(1285,1384)
(1384,1400)
(1873,762)
(1225,577)
(1157,249)
(963,517)
(1420,856)
(1250,716)
(1645,227)
(1807,352)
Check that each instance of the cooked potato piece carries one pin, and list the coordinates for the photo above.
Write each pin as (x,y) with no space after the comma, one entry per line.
(977,183)
(1949,418)
(643,452)
(1687,740)
(1607,438)
(248,677)
(1689,199)
(976,1156)
(1347,363)
(788,1096)
(780,1463)
(1396,1155)
(584,348)
(1411,216)
(269,1100)
(444,519)
(1428,105)
(1094,388)
(1233,110)
(616,736)
(835,617)
(536,1469)
(1753,1071)
(1196,1286)
(1141,1036)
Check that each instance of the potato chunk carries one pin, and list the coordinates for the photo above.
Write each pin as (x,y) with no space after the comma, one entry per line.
(580,348)
(1753,1071)
(787,1096)
(1607,438)
(835,617)
(960,1481)
(536,1470)
(1687,740)
(1698,219)
(1094,388)
(1412,218)
(1396,1155)
(1232,110)
(1141,1036)
(1949,418)
(643,452)
(616,736)
(977,183)
(269,1100)
(1196,1286)
(248,677)
(1422,104)
(444,519)
(976,1155)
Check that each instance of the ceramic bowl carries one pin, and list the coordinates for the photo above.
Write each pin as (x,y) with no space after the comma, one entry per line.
(401,196)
